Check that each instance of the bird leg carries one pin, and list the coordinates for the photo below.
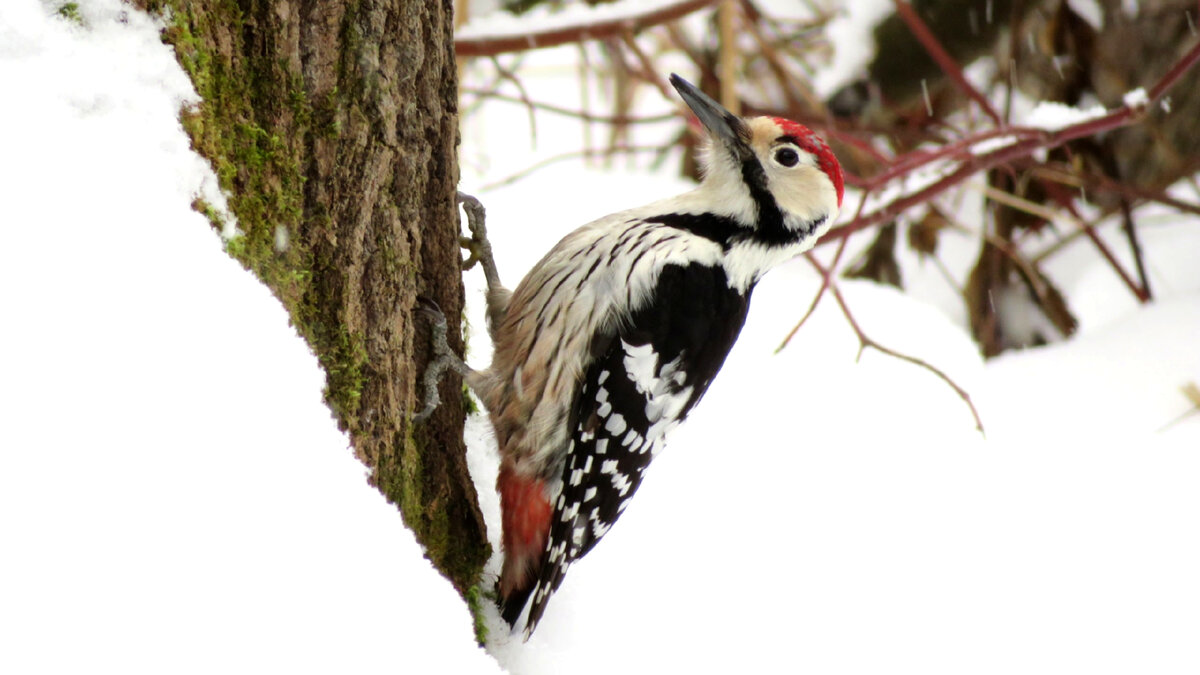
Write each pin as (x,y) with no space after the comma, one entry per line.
(477,243)
(481,252)
(443,358)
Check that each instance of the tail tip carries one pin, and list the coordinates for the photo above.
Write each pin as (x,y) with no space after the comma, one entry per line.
(512,606)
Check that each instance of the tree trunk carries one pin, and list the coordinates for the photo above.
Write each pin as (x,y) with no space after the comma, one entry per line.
(333,125)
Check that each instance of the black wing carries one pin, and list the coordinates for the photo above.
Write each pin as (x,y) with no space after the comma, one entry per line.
(643,381)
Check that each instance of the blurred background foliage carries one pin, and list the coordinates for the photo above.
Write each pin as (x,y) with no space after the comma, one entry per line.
(905,109)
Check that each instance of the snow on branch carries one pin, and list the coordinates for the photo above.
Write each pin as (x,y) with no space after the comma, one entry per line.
(499,34)
(958,163)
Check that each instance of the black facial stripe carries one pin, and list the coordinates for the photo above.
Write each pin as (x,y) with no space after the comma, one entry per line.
(720,229)
(770,230)
(811,226)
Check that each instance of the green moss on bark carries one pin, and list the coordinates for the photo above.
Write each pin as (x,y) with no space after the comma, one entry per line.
(339,169)
(260,168)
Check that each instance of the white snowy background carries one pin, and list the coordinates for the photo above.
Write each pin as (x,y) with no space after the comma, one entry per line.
(174,497)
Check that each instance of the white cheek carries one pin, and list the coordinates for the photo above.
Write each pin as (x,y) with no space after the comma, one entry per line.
(804,192)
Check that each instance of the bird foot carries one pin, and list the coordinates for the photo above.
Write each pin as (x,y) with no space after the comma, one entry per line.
(443,357)
(477,244)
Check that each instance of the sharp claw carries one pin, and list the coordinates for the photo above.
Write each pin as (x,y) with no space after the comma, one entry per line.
(477,244)
(470,201)
(430,309)
(433,370)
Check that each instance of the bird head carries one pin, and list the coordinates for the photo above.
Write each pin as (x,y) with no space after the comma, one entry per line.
(772,174)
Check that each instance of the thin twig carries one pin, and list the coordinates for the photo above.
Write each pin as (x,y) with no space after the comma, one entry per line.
(577,154)
(727,56)
(648,72)
(490,45)
(1028,268)
(1173,75)
(1099,182)
(812,307)
(1024,146)
(864,341)
(507,74)
(826,274)
(977,163)
(1135,247)
(940,56)
(585,93)
(910,161)
(771,56)
(577,114)
(1141,293)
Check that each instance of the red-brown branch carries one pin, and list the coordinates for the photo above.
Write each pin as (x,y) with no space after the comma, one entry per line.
(649,72)
(826,278)
(938,53)
(1100,182)
(865,341)
(489,45)
(1029,141)
(1140,291)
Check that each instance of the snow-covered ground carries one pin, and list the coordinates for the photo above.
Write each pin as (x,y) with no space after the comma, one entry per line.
(174,497)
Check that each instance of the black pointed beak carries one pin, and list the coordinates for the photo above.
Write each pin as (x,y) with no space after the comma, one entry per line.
(722,124)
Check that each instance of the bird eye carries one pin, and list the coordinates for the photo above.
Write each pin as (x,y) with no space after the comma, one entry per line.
(786,157)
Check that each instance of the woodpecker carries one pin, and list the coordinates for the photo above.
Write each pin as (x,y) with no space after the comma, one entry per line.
(615,335)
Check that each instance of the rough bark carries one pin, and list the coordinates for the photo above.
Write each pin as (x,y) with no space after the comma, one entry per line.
(333,125)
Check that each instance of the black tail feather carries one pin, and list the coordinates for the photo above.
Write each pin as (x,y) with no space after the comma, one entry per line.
(511,607)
